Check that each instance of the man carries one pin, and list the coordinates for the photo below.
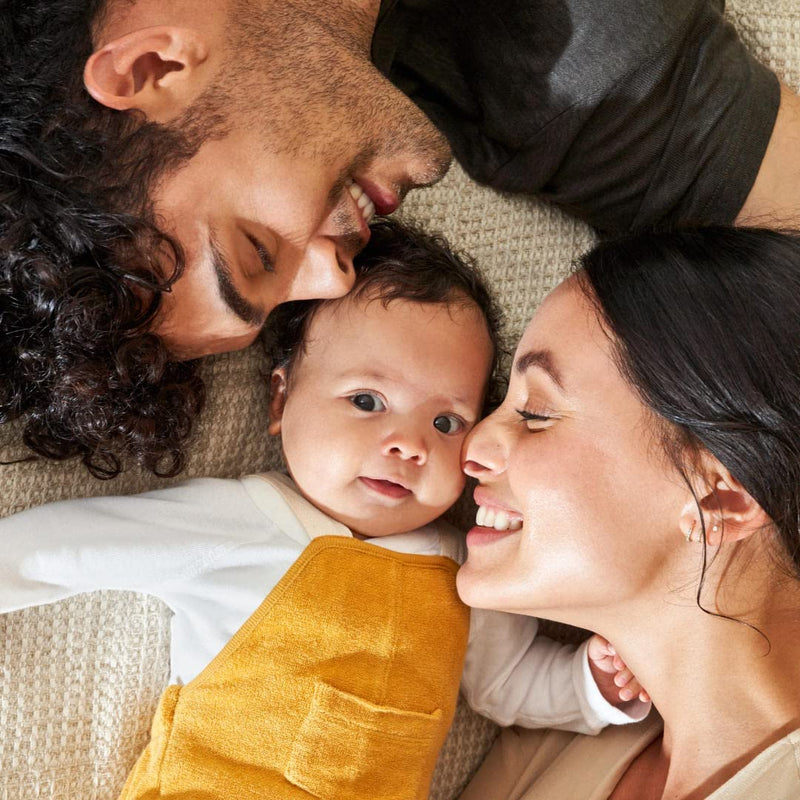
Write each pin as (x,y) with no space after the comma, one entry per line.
(173,169)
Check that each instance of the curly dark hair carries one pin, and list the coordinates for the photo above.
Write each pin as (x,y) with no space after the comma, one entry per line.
(82,262)
(400,262)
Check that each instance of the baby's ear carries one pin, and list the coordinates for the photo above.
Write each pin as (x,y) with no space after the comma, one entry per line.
(277,399)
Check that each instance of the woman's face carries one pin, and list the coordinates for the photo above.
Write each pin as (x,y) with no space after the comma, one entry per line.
(573,455)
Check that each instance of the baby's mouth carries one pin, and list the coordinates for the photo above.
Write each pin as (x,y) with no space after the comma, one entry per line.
(385,487)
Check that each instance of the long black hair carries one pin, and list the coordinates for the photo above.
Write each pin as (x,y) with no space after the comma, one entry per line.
(706,327)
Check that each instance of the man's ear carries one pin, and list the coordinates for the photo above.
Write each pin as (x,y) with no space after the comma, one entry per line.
(156,70)
(277,399)
(730,513)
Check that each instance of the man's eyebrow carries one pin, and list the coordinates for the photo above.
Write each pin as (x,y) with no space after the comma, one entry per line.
(241,306)
(542,359)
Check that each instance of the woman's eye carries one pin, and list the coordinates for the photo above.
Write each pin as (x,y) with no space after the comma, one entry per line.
(367,401)
(533,421)
(448,423)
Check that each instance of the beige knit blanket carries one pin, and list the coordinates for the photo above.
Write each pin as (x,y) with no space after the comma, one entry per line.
(79,680)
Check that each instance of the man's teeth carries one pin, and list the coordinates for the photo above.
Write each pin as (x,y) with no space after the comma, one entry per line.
(362,199)
(499,520)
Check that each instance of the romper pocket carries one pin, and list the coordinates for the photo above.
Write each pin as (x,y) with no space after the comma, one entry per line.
(350,749)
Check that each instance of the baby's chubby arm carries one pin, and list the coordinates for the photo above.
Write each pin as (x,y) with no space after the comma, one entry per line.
(516,677)
(146,543)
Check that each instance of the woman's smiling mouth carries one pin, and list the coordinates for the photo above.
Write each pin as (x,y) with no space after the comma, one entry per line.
(500,520)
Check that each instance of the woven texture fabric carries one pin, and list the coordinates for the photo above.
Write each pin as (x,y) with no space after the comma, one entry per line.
(81,679)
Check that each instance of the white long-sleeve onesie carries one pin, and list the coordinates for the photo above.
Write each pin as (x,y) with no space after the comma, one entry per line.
(212,549)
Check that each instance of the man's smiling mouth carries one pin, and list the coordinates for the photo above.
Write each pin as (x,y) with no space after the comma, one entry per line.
(365,205)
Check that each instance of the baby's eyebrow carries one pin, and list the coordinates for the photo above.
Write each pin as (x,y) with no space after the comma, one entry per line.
(463,402)
(460,403)
(367,377)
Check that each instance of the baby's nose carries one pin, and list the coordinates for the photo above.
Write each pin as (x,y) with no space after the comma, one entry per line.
(407,445)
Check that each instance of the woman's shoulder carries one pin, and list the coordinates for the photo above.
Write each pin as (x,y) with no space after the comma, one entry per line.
(774,773)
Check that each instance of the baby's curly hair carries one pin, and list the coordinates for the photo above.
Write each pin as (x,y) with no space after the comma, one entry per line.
(400,262)
(82,263)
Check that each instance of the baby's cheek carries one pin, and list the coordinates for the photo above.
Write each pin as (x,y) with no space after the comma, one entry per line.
(454,481)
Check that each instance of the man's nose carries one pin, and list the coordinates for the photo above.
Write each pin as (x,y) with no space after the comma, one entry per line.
(326,272)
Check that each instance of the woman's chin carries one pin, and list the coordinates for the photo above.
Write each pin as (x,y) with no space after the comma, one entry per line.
(489,570)
(478,587)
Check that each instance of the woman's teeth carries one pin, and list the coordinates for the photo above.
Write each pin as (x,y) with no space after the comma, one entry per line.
(366,205)
(499,520)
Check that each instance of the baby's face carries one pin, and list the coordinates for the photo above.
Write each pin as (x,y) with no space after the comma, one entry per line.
(377,409)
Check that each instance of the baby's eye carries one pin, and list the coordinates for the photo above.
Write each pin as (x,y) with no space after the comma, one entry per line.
(448,423)
(368,401)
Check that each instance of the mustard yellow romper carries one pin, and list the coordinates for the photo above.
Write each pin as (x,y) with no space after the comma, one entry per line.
(342,685)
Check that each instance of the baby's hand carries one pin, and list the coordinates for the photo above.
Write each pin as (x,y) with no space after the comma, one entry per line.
(616,682)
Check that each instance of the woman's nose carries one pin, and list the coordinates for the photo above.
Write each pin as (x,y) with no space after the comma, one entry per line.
(484,452)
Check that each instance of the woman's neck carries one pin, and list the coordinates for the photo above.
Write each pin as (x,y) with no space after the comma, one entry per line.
(725,692)
(729,703)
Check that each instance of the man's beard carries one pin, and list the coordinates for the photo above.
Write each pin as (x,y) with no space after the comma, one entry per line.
(309,87)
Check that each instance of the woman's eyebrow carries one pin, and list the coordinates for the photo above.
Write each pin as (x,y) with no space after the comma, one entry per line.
(542,359)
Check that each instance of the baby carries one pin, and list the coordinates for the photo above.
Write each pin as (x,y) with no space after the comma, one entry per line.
(372,395)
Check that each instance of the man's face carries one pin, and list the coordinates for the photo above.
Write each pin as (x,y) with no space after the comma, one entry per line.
(377,408)
(313,141)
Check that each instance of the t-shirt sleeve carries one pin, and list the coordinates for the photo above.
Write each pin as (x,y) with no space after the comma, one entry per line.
(148,542)
(516,677)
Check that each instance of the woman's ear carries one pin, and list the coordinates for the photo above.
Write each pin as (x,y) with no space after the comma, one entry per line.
(730,513)
(155,70)
(277,399)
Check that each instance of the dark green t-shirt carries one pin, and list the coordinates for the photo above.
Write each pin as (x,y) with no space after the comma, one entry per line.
(629,113)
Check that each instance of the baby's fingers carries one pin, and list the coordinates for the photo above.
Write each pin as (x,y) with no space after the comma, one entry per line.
(630,686)
(601,654)
(623,678)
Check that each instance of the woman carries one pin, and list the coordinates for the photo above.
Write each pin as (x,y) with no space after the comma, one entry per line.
(650,442)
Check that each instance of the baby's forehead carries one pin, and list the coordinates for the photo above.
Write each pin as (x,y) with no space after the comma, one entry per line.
(364,298)
(342,317)
(420,345)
